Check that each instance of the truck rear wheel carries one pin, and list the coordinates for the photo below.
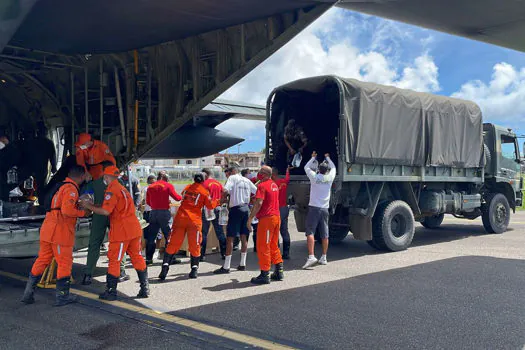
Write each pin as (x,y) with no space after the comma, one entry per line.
(393,226)
(495,213)
(433,222)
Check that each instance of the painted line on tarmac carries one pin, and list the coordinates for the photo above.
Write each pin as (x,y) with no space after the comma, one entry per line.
(194,325)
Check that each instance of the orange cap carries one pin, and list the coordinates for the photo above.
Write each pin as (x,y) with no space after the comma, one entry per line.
(83,138)
(112,171)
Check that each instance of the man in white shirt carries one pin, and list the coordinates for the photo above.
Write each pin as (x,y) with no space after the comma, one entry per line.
(240,190)
(320,189)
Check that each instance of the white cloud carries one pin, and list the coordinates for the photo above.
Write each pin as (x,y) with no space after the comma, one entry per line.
(503,98)
(326,47)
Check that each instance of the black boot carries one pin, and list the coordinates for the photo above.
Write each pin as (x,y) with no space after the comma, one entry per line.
(144,284)
(286,250)
(165,266)
(62,296)
(29,292)
(278,273)
(263,278)
(87,280)
(111,288)
(194,262)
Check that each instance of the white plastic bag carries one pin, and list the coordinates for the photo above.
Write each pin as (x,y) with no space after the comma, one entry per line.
(223,216)
(209,214)
(297,159)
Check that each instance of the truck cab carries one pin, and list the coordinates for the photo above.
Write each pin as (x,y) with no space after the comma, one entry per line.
(503,163)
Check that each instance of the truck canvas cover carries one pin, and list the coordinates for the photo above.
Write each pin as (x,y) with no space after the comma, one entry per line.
(391,126)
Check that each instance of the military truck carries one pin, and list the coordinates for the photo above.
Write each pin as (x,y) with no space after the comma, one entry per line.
(401,157)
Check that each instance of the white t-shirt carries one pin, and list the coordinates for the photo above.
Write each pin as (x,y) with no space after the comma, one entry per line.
(146,206)
(240,190)
(320,185)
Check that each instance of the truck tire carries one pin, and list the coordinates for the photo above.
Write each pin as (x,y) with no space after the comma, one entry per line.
(393,226)
(495,213)
(337,234)
(433,222)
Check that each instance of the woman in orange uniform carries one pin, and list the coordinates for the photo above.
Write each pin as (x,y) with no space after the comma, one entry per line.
(91,154)
(188,221)
(57,238)
(125,234)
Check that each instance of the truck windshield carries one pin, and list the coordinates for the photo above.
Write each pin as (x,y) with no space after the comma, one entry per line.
(508,147)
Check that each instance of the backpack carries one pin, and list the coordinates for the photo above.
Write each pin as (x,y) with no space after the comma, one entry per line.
(49,198)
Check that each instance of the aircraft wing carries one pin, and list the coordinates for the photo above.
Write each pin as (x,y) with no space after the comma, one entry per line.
(499,22)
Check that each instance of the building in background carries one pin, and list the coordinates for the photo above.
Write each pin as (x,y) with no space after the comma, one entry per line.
(182,169)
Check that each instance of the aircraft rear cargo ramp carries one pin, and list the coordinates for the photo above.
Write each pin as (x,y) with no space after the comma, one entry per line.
(133,72)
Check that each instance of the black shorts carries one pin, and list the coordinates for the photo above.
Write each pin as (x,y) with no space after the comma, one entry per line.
(317,218)
(237,220)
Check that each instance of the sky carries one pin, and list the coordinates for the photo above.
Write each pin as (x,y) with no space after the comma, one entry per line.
(368,48)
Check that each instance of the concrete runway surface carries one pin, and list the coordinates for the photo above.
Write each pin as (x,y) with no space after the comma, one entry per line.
(455,287)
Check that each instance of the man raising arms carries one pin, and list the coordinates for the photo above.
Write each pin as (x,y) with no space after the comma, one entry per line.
(317,217)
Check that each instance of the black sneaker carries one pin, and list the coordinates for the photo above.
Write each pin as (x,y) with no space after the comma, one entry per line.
(241,268)
(202,258)
(87,280)
(149,262)
(123,277)
(221,271)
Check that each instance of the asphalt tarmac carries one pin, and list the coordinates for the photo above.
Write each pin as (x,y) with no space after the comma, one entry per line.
(455,288)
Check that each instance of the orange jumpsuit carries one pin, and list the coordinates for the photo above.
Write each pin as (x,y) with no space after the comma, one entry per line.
(57,234)
(189,219)
(269,225)
(125,231)
(92,158)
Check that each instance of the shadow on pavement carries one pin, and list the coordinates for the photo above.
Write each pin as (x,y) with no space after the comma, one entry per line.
(466,302)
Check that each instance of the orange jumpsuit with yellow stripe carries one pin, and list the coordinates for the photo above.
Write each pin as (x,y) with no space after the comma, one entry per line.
(125,231)
(189,219)
(57,234)
(92,158)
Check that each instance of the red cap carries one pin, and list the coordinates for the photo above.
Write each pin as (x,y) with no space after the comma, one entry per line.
(83,138)
(112,171)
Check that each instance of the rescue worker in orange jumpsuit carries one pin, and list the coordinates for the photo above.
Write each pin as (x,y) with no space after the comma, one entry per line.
(57,238)
(189,221)
(266,209)
(91,154)
(124,235)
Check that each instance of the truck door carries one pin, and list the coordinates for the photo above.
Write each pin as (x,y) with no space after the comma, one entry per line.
(509,160)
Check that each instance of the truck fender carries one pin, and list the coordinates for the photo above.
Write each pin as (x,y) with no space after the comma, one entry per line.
(507,190)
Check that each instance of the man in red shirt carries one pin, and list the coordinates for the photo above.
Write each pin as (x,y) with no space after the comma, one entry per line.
(216,191)
(266,209)
(158,198)
(284,210)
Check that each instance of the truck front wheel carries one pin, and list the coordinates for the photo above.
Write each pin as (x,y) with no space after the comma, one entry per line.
(433,222)
(495,213)
(393,226)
